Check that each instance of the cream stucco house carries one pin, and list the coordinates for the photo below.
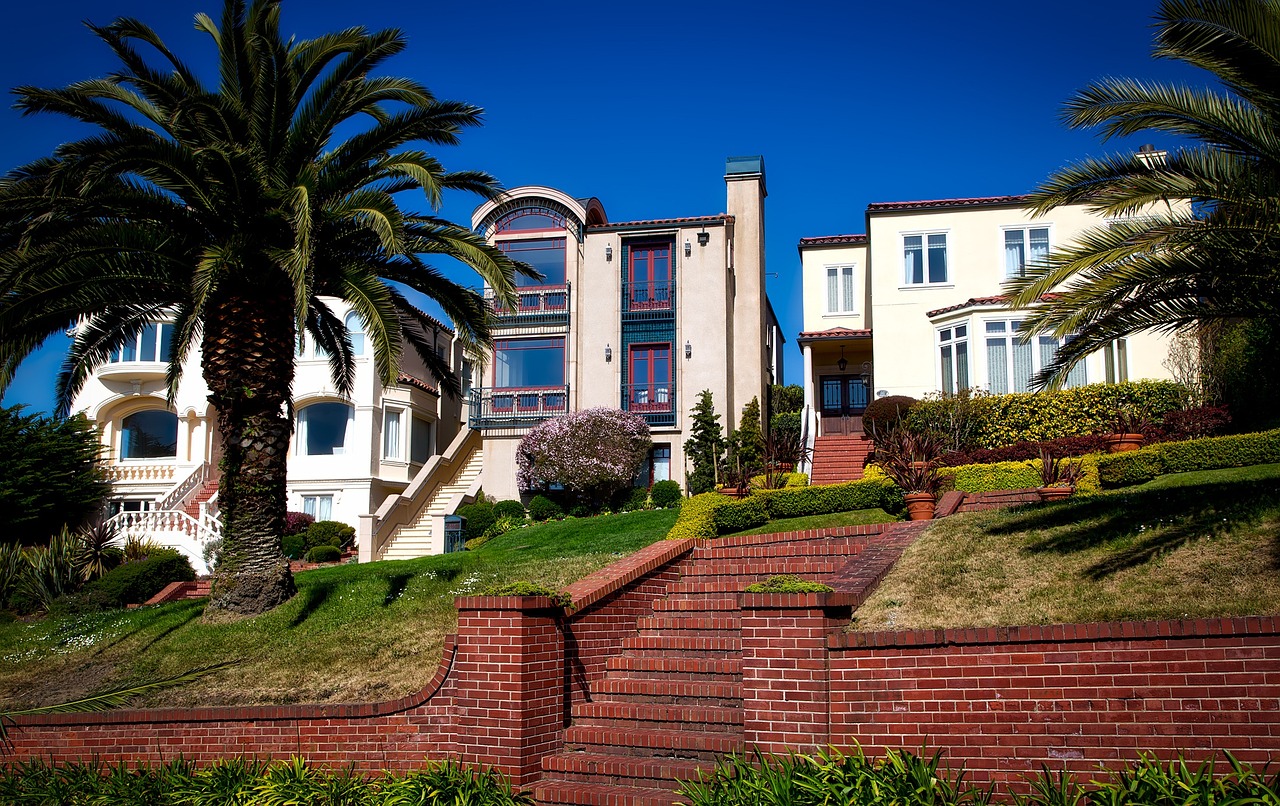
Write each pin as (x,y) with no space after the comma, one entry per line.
(912,307)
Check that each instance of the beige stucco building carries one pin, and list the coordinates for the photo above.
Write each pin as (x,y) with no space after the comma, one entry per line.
(913,307)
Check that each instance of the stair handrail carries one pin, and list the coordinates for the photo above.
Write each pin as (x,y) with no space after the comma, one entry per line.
(809,436)
(178,494)
(137,524)
(397,509)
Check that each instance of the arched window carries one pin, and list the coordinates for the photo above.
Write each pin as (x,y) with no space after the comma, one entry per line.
(355,327)
(149,435)
(323,427)
(530,218)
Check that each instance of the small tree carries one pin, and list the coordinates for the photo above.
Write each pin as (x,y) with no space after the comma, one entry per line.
(51,477)
(787,399)
(593,453)
(705,446)
(748,440)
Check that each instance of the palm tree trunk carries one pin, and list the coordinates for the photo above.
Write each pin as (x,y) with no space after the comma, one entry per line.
(248,366)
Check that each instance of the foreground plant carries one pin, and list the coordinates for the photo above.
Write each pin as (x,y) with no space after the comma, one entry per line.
(231,211)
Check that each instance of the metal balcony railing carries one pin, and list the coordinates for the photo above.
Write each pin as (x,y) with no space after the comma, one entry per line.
(656,402)
(543,304)
(516,408)
(651,300)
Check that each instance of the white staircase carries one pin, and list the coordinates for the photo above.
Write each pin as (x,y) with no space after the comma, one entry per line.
(418,539)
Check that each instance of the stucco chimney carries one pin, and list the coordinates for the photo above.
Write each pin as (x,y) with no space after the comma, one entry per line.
(744,180)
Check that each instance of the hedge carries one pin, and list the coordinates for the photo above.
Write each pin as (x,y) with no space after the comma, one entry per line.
(711,514)
(130,583)
(1210,453)
(985,478)
(1038,416)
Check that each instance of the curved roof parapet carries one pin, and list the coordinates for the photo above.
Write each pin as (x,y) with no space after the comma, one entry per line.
(581,212)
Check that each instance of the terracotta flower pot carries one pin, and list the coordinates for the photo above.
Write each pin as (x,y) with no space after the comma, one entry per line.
(919,506)
(1055,493)
(734,492)
(1119,443)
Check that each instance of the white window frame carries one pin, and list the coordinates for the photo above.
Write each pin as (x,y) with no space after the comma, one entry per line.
(398,444)
(924,236)
(316,498)
(948,336)
(1079,375)
(1025,229)
(302,425)
(355,329)
(1115,361)
(845,277)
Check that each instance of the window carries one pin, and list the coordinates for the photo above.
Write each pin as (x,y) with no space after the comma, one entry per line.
(839,289)
(151,344)
(355,328)
(953,354)
(650,378)
(649,277)
(528,363)
(547,255)
(530,219)
(1116,358)
(656,467)
(1023,246)
(391,444)
(1012,359)
(924,258)
(322,428)
(419,441)
(319,507)
(149,435)
(468,373)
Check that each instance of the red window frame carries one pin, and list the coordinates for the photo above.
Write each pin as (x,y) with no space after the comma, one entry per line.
(652,292)
(648,392)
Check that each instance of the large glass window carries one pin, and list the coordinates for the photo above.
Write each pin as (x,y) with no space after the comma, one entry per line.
(1013,358)
(323,427)
(419,441)
(149,435)
(953,354)
(528,363)
(650,378)
(924,258)
(840,289)
(530,218)
(547,255)
(1023,246)
(391,442)
(649,277)
(151,344)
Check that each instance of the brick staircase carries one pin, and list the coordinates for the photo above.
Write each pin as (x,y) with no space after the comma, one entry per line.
(206,492)
(839,458)
(671,702)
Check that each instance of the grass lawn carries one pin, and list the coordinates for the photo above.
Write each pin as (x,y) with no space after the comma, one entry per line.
(857,517)
(1184,545)
(354,633)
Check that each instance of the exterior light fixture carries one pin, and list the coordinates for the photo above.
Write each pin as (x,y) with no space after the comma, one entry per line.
(608,253)
(704,237)
(843,363)
(688,349)
(688,249)
(608,353)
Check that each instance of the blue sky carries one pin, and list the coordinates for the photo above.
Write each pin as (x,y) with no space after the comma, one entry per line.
(639,104)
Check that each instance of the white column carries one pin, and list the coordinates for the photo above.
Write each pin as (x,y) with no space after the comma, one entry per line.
(807,352)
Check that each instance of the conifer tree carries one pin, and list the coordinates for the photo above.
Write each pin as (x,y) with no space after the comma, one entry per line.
(705,447)
(748,440)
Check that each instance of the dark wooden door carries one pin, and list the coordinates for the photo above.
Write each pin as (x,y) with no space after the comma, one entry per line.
(844,398)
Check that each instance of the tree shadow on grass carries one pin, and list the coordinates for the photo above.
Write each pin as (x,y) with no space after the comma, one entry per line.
(1146,524)
(396,583)
(313,598)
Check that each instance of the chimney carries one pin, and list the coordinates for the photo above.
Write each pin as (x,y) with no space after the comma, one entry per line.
(744,180)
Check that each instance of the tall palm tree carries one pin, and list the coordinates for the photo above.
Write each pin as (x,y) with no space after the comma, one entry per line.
(232,211)
(1195,236)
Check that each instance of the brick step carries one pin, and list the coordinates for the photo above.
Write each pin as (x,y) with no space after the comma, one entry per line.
(685,622)
(576,793)
(682,744)
(680,668)
(654,716)
(632,771)
(682,645)
(825,547)
(718,585)
(695,604)
(705,571)
(665,690)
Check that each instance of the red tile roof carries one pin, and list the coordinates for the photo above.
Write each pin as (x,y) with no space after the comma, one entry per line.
(834,333)
(661,222)
(417,383)
(976,301)
(933,204)
(823,240)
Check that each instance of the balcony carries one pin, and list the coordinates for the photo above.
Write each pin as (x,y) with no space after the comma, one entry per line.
(535,305)
(516,408)
(656,402)
(649,300)
(132,371)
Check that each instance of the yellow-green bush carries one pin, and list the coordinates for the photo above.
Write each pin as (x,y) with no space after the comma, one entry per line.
(788,480)
(1013,476)
(697,517)
(1210,453)
(712,514)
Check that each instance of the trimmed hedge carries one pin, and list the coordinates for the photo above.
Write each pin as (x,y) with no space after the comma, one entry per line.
(131,583)
(985,478)
(1210,453)
(324,554)
(329,533)
(509,509)
(665,494)
(711,514)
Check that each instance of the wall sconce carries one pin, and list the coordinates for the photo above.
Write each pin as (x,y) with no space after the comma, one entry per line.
(704,238)
(688,349)
(688,249)
(608,253)
(608,354)
(843,363)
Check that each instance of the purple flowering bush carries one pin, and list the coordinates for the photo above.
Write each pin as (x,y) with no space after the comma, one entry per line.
(591,453)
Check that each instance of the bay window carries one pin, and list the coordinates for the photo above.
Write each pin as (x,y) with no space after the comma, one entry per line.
(953,356)
(149,434)
(1014,357)
(528,363)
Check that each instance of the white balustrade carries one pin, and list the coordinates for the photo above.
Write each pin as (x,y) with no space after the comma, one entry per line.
(178,494)
(151,524)
(139,472)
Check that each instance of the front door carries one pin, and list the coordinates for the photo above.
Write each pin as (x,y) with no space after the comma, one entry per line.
(844,397)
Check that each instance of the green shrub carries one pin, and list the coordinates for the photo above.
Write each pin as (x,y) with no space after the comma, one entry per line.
(509,509)
(739,515)
(479,517)
(542,509)
(1021,475)
(884,413)
(523,587)
(294,546)
(788,583)
(503,525)
(329,533)
(697,517)
(1210,453)
(712,514)
(476,542)
(324,554)
(781,480)
(132,583)
(666,494)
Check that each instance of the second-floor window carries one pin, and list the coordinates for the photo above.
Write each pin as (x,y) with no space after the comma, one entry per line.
(953,356)
(547,255)
(924,258)
(151,344)
(649,276)
(1023,246)
(528,363)
(151,434)
(840,294)
(323,427)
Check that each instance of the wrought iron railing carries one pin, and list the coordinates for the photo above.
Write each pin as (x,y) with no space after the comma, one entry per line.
(656,402)
(651,300)
(514,408)
(543,303)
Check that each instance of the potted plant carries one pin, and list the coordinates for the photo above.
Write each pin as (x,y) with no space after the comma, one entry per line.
(1058,476)
(911,460)
(1127,430)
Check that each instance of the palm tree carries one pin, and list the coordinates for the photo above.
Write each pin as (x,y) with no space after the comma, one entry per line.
(232,211)
(1195,236)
